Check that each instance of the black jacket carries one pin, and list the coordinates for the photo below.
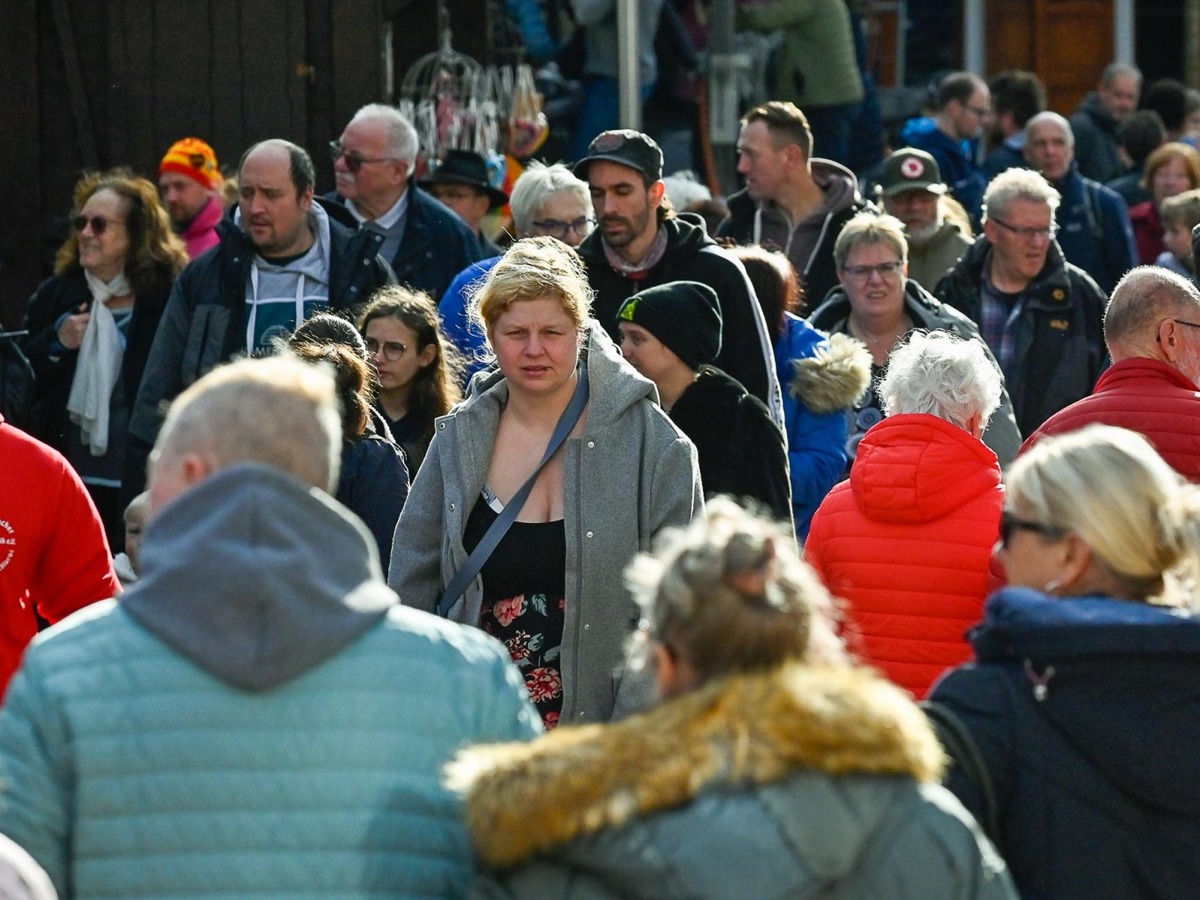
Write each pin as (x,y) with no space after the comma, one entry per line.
(436,246)
(1087,713)
(204,322)
(1060,351)
(746,350)
(54,372)
(741,450)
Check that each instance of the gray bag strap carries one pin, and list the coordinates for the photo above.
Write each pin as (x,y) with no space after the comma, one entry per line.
(492,537)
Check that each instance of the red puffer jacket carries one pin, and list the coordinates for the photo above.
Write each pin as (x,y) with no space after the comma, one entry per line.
(1146,396)
(907,542)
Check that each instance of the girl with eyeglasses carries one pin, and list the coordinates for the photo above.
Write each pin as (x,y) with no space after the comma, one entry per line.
(418,369)
(1084,699)
(91,326)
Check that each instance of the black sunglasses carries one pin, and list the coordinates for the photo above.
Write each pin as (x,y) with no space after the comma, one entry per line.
(354,162)
(99,223)
(1010,523)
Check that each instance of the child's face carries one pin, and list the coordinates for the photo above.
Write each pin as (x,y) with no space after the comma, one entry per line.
(135,523)
(1177,238)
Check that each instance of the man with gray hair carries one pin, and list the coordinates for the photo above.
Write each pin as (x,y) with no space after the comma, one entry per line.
(1041,315)
(1152,328)
(281,258)
(1094,231)
(1098,117)
(258,714)
(425,242)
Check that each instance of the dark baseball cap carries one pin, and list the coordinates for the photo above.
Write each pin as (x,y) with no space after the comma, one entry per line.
(625,147)
(909,169)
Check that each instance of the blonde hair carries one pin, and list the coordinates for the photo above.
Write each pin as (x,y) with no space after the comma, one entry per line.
(1110,486)
(278,411)
(1183,209)
(730,594)
(870,228)
(531,269)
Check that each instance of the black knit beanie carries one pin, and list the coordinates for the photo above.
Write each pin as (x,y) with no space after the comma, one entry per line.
(684,315)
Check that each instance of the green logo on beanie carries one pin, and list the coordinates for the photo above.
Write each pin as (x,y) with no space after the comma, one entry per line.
(626,312)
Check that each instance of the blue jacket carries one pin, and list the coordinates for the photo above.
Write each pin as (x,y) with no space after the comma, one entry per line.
(960,174)
(436,246)
(1095,771)
(256,717)
(816,433)
(1094,230)
(456,321)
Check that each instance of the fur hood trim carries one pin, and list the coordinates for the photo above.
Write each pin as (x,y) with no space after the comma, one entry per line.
(832,379)
(744,730)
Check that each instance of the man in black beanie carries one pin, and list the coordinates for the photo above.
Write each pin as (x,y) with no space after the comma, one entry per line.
(671,333)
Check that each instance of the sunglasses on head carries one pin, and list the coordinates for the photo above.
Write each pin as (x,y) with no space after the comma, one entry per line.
(99,223)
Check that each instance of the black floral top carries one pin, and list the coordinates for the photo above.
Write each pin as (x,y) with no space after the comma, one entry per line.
(524,588)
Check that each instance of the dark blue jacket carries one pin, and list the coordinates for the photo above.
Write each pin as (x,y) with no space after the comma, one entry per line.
(960,174)
(1094,230)
(1095,771)
(436,246)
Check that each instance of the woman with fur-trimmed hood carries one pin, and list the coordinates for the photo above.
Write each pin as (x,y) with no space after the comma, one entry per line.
(774,768)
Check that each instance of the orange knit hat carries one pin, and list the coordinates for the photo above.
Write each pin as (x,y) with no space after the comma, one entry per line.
(195,159)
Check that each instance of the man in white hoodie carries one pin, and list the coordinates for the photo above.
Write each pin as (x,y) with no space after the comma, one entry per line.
(282,257)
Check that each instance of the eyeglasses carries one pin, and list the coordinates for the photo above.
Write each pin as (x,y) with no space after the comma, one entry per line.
(354,162)
(982,111)
(391,350)
(557,228)
(455,193)
(1158,337)
(1048,232)
(886,271)
(1010,523)
(99,224)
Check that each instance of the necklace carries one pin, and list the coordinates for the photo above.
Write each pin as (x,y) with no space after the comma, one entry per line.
(880,345)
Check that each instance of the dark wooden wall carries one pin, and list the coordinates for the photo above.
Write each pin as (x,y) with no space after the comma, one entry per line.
(91,84)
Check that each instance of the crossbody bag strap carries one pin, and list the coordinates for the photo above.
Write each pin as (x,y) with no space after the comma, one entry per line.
(491,538)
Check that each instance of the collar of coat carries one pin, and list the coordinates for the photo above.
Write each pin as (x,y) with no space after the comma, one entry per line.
(737,732)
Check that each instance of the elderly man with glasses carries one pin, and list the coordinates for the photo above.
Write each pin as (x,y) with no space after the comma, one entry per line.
(425,242)
(1041,315)
(1152,329)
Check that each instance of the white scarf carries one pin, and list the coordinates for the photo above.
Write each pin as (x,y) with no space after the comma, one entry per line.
(98,365)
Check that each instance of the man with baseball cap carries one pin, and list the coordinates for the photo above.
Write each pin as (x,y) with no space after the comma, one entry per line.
(461,183)
(912,190)
(190,183)
(639,243)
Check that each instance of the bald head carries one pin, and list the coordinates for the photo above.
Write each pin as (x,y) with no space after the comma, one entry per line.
(1049,145)
(1144,319)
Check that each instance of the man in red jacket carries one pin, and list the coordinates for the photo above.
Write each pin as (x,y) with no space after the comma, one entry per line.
(1152,329)
(54,557)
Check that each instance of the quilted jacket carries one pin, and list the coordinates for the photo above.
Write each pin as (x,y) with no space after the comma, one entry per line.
(907,541)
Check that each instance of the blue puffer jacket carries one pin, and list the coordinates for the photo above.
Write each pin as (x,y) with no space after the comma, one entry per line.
(257,717)
(821,378)
(1087,713)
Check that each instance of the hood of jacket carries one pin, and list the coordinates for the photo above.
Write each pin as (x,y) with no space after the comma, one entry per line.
(746,730)
(915,467)
(837,183)
(1122,683)
(833,376)
(613,384)
(684,238)
(317,266)
(256,578)
(1094,109)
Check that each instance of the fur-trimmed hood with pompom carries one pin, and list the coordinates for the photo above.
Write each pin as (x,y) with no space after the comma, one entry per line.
(833,377)
(744,731)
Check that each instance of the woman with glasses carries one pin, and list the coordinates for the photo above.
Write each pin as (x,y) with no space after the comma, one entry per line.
(539,488)
(772,768)
(418,369)
(91,326)
(1084,699)
(877,303)
(546,201)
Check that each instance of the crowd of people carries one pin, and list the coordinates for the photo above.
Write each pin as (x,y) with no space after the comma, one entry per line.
(851,550)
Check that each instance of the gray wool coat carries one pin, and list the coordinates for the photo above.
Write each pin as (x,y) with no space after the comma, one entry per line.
(631,474)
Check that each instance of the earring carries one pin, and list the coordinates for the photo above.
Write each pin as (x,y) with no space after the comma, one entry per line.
(1051,586)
